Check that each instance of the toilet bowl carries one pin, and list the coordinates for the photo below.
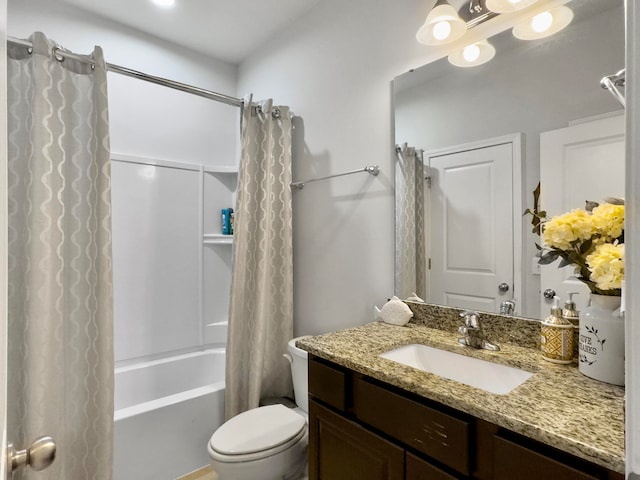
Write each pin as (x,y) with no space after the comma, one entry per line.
(269,443)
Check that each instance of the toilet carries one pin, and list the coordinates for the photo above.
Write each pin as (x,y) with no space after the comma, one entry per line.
(269,443)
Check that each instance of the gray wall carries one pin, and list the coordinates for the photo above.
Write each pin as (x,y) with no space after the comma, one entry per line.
(334,67)
(529,87)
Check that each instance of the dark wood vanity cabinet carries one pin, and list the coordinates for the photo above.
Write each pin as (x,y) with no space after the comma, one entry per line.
(363,429)
(346,450)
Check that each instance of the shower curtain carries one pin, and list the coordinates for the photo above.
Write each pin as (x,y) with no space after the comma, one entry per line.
(410,242)
(60,284)
(261,305)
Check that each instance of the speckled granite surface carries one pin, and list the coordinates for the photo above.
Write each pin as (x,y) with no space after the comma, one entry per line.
(557,406)
(498,328)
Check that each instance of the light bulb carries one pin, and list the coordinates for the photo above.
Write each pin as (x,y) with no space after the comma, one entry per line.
(443,25)
(471,53)
(542,22)
(441,30)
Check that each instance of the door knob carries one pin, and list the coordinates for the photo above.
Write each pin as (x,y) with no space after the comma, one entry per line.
(503,287)
(38,456)
(549,293)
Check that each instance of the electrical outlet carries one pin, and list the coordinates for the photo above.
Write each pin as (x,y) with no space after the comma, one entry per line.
(535,266)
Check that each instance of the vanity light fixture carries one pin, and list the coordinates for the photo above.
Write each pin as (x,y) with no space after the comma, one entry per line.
(164,3)
(508,6)
(473,55)
(544,24)
(443,25)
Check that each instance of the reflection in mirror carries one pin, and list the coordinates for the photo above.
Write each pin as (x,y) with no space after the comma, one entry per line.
(411,261)
(457,115)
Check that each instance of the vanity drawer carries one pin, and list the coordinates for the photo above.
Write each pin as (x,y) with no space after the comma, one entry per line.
(328,383)
(418,469)
(437,434)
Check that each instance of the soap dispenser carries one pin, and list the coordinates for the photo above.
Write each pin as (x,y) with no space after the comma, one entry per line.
(570,314)
(556,337)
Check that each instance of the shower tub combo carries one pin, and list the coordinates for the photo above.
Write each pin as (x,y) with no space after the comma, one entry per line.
(165,413)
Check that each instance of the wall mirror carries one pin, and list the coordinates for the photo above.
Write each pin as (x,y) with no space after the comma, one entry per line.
(484,124)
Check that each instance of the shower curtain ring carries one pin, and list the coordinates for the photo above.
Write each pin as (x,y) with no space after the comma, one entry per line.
(59,57)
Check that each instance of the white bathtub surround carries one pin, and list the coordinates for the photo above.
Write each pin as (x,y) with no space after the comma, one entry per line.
(261,308)
(165,413)
(60,277)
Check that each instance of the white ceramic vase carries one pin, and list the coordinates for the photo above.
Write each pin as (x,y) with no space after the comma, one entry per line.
(601,341)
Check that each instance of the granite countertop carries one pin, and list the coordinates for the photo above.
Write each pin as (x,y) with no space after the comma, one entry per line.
(558,405)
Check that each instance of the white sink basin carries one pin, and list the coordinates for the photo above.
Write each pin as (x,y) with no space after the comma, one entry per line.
(488,376)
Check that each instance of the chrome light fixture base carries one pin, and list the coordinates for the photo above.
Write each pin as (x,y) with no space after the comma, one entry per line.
(508,6)
(475,12)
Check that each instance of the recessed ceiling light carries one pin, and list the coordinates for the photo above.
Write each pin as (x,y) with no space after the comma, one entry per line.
(164,3)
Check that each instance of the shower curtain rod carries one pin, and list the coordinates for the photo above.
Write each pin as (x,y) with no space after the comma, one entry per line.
(183,87)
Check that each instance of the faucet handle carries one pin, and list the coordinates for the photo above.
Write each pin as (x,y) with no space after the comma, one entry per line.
(471,318)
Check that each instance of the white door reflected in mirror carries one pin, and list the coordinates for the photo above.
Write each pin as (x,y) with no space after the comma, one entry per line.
(584,161)
(471,235)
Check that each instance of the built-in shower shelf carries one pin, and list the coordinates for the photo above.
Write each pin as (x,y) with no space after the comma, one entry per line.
(232,169)
(217,239)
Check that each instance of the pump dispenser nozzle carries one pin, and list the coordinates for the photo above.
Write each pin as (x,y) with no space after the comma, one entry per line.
(556,311)
(569,311)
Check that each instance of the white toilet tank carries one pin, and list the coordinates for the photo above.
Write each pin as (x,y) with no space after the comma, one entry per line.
(299,373)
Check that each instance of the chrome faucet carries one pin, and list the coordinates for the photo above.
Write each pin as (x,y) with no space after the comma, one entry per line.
(473,333)
(507,307)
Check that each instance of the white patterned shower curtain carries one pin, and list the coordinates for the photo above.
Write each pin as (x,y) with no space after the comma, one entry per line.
(60,279)
(410,262)
(261,305)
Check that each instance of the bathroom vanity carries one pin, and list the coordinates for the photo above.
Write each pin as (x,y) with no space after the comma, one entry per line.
(372,418)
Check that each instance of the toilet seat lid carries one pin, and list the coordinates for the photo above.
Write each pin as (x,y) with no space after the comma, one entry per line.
(257,430)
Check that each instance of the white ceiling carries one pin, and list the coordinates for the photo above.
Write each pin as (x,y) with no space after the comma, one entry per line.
(225,29)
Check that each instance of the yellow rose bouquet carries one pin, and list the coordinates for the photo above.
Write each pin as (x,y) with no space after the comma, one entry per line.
(592,240)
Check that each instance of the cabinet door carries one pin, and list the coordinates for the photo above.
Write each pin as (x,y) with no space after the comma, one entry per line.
(513,461)
(341,449)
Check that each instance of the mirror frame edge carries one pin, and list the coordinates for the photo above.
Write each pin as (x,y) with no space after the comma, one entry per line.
(632,218)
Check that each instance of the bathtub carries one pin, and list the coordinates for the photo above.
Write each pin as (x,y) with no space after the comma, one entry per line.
(165,413)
